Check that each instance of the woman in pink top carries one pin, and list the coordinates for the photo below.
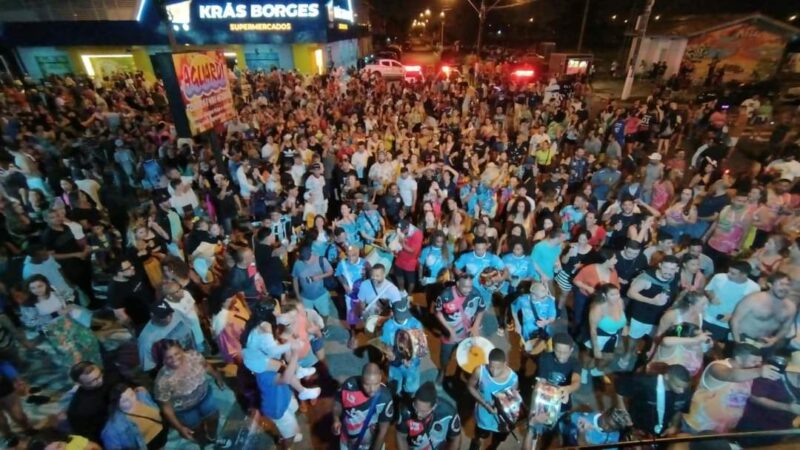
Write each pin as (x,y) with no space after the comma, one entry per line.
(726,234)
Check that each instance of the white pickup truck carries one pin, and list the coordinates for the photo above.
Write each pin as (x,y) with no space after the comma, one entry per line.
(387,68)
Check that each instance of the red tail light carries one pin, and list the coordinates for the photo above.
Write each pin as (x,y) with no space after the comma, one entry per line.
(524,73)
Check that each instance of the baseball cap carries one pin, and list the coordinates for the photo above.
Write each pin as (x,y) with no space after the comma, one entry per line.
(403,225)
(400,310)
(655,156)
(161,310)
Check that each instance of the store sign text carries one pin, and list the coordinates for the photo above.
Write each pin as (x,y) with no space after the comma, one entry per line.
(268,26)
(232,10)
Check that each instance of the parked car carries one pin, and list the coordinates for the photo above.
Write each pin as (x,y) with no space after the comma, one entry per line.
(387,68)
(386,54)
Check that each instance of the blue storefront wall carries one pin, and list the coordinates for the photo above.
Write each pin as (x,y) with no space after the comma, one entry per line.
(266,56)
(40,62)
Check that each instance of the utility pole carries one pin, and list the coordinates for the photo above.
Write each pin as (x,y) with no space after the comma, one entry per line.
(482,10)
(583,24)
(641,29)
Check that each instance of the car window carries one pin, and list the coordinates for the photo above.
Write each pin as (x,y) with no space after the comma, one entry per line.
(396,64)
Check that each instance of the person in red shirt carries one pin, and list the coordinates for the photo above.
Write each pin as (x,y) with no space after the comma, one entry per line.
(407,259)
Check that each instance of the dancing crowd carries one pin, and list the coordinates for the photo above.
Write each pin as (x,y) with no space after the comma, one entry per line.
(618,246)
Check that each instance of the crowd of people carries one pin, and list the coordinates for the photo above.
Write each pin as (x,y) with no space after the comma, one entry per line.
(612,245)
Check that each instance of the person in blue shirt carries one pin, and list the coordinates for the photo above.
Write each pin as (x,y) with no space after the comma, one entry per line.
(473,263)
(469,192)
(434,264)
(534,314)
(370,223)
(604,180)
(545,257)
(573,214)
(595,428)
(520,267)
(404,373)
(350,272)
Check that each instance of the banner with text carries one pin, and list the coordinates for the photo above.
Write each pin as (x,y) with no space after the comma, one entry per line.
(205,90)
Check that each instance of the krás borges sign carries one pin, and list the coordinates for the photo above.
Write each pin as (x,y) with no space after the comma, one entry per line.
(233,10)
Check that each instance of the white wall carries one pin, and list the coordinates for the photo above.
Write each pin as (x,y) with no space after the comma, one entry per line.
(656,49)
(344,53)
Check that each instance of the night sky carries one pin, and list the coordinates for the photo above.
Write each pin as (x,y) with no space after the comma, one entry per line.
(551,17)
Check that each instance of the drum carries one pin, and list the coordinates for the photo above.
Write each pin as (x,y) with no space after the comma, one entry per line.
(374,322)
(381,256)
(547,400)
(509,405)
(472,353)
(411,343)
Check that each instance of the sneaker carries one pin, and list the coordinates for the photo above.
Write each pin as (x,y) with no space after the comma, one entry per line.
(223,443)
(309,393)
(501,332)
(298,438)
(305,372)
(596,373)
(584,376)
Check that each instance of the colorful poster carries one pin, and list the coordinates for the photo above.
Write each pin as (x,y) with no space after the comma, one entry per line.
(206,93)
(723,50)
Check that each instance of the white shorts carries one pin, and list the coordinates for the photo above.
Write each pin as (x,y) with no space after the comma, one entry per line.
(638,330)
(287,425)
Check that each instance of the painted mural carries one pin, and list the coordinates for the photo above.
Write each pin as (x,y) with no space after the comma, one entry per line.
(723,49)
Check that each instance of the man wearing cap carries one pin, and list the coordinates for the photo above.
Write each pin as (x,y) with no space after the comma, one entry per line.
(403,363)
(165,323)
(653,172)
(428,424)
(773,404)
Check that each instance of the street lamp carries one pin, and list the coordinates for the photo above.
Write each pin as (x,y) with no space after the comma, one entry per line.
(428,12)
(441,37)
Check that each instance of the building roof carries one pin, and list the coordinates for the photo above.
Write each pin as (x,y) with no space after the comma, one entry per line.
(693,25)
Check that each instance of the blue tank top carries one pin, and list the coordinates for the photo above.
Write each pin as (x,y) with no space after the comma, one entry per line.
(488,386)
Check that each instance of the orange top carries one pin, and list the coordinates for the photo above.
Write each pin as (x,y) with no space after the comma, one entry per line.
(589,276)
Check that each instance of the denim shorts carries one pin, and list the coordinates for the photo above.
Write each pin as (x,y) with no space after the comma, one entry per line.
(195,415)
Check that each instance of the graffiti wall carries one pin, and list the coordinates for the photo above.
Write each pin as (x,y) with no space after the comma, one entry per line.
(723,49)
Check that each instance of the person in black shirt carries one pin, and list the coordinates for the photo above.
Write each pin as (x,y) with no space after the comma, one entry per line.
(244,277)
(630,262)
(70,254)
(130,296)
(428,424)
(269,253)
(642,394)
(226,201)
(561,368)
(392,204)
(88,410)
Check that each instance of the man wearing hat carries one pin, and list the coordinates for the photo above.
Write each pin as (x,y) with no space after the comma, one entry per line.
(403,363)
(165,323)
(428,424)
(653,172)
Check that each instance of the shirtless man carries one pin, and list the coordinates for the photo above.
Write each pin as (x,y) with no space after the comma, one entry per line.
(765,318)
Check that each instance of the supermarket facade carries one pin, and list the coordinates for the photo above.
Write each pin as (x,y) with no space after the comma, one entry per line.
(255,34)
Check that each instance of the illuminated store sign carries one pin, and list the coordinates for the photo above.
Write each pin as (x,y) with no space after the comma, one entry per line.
(340,10)
(231,10)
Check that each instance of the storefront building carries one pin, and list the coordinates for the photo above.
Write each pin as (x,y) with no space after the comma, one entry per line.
(255,34)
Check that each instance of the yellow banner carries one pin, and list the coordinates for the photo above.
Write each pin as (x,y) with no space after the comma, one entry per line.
(206,93)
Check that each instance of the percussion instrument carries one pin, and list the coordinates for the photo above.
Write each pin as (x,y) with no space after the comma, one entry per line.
(380,255)
(546,399)
(411,343)
(472,353)
(374,322)
(509,405)
(491,279)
